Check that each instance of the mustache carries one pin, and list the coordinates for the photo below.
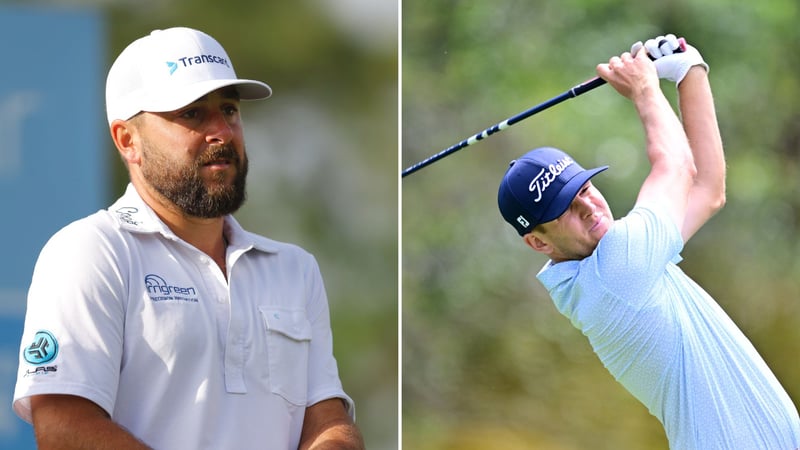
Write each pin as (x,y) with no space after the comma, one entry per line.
(218,152)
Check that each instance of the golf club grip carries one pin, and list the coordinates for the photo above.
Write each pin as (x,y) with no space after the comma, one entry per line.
(587,86)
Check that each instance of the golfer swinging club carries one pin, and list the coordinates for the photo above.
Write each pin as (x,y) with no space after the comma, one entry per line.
(659,334)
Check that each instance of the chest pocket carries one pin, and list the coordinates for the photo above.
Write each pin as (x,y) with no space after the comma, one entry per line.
(288,341)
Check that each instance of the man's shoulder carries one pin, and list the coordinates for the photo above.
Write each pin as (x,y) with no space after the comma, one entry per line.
(98,223)
(90,239)
(646,228)
(621,253)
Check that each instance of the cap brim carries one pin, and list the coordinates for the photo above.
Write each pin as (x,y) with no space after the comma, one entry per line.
(247,89)
(568,193)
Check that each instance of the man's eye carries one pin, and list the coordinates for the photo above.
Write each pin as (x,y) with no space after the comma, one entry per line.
(231,110)
(189,114)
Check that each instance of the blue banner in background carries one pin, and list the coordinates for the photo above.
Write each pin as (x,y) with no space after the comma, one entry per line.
(53,158)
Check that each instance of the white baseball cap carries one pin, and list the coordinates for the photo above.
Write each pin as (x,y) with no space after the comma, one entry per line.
(168,69)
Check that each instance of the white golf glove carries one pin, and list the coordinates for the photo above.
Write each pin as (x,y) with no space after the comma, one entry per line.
(671,63)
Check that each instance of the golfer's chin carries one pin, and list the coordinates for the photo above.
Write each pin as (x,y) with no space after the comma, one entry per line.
(227,183)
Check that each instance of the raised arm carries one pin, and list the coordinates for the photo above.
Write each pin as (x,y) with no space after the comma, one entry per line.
(681,63)
(707,195)
(672,167)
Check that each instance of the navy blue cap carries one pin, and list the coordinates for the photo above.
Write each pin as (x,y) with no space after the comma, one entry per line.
(539,187)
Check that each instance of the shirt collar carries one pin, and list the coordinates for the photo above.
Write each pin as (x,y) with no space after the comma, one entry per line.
(134,215)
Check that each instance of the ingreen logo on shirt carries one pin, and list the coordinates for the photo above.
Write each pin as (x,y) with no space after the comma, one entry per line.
(159,290)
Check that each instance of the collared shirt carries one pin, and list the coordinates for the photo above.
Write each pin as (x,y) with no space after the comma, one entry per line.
(669,343)
(126,314)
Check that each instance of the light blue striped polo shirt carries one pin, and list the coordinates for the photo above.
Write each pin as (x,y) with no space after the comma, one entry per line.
(669,343)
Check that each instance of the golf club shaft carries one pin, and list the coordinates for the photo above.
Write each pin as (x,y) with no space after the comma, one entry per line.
(574,92)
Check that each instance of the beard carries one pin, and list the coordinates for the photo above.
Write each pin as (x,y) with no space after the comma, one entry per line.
(185,188)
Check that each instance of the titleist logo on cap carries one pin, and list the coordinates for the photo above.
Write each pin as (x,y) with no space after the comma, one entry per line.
(547,175)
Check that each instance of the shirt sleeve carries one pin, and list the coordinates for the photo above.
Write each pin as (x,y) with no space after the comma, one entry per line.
(323,372)
(75,309)
(635,252)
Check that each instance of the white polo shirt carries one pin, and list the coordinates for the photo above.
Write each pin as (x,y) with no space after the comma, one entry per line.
(126,314)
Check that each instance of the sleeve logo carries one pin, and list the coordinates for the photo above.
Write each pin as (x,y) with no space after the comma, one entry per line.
(43,349)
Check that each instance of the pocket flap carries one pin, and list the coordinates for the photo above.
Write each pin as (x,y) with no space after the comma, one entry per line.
(291,323)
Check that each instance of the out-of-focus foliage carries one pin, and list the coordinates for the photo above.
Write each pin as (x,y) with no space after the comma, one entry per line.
(323,156)
(487,360)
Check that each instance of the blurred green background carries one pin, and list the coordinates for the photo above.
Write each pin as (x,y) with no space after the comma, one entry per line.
(323,156)
(487,360)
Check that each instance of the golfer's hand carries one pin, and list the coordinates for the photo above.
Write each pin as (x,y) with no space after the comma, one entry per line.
(672,62)
(631,75)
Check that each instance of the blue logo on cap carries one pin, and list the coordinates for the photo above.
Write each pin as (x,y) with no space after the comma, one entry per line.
(188,61)
(43,349)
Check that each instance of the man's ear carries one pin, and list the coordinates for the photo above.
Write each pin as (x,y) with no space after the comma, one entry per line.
(124,135)
(537,244)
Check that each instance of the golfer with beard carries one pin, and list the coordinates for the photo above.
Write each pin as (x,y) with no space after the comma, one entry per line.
(160,322)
